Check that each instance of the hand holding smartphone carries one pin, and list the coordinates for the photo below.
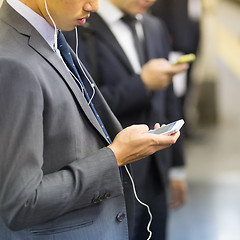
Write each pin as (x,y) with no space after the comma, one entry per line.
(169,128)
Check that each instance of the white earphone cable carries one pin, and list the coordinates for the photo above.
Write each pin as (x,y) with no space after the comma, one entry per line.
(142,203)
(55,27)
(55,46)
(129,174)
(82,68)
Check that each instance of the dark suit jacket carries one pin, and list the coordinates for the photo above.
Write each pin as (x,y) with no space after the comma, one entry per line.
(58,180)
(184,32)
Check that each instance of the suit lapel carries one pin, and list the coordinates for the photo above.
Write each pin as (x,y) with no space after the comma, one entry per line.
(40,45)
(37,43)
(101,29)
(109,120)
(154,47)
(150,49)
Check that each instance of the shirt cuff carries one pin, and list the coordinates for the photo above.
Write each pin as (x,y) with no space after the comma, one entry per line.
(177,173)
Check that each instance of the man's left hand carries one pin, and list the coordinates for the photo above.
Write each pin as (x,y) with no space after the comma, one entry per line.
(178,193)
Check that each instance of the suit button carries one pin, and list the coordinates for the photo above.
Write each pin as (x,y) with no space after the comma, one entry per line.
(101,198)
(107,195)
(120,217)
(95,200)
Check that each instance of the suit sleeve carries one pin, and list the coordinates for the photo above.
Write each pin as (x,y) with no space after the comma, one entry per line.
(28,196)
(127,96)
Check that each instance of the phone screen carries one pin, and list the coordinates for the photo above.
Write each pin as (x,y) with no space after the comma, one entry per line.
(163,129)
(169,128)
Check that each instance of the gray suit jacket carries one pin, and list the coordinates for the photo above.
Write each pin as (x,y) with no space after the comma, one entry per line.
(58,180)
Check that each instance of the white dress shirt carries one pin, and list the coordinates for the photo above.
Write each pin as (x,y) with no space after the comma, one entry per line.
(112,16)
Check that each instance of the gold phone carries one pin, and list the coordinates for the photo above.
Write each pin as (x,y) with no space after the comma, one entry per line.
(185,59)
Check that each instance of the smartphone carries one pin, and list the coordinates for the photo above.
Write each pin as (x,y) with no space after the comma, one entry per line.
(185,59)
(169,128)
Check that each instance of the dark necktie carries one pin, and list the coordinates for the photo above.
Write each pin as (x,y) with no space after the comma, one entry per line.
(66,55)
(131,21)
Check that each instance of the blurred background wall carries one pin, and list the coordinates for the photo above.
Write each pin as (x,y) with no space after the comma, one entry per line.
(219,46)
(212,211)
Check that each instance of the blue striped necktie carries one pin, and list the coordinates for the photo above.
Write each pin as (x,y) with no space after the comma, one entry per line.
(66,55)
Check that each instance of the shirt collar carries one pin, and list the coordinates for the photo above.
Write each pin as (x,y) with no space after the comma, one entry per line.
(110,13)
(38,22)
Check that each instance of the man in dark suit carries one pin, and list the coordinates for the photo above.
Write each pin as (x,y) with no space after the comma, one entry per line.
(138,94)
(59,170)
(184,31)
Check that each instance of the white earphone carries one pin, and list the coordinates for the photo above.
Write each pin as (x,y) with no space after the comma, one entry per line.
(55,47)
(55,27)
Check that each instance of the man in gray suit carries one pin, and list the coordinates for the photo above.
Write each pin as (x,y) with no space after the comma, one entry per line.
(60,174)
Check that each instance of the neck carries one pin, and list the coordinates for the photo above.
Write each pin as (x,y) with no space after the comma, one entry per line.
(38,8)
(33,5)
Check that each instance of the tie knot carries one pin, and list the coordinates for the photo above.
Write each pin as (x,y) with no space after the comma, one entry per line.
(62,43)
(130,20)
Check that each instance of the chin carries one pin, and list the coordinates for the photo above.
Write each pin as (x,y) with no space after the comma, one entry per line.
(68,28)
(139,11)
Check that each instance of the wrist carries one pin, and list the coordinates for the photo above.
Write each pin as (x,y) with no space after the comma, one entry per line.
(116,153)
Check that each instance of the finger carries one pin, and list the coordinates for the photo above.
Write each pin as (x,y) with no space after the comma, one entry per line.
(179,68)
(179,198)
(174,201)
(157,125)
(176,135)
